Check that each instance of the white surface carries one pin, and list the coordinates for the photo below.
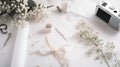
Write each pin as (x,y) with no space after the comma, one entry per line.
(7,51)
(75,52)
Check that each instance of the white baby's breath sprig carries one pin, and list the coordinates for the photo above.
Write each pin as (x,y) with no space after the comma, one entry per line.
(18,10)
(40,12)
(98,46)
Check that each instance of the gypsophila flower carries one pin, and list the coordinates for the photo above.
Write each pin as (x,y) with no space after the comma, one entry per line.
(40,11)
(97,45)
(18,10)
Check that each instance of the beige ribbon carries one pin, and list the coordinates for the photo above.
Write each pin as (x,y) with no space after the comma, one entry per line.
(59,53)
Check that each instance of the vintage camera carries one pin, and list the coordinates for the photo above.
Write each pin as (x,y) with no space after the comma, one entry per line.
(109,14)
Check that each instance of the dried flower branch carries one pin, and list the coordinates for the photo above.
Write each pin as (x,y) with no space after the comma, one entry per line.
(117,60)
(59,53)
(102,50)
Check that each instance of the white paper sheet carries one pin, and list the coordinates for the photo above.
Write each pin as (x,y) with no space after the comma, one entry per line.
(18,58)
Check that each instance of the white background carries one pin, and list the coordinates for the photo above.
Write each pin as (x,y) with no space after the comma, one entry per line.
(75,51)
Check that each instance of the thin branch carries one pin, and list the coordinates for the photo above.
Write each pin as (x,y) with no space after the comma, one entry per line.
(61,34)
(116,59)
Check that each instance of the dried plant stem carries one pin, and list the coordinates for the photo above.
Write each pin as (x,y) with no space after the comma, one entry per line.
(116,59)
(61,34)
(107,63)
(105,58)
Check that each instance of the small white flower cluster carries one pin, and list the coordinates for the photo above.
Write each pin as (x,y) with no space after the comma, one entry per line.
(17,11)
(40,12)
(96,45)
